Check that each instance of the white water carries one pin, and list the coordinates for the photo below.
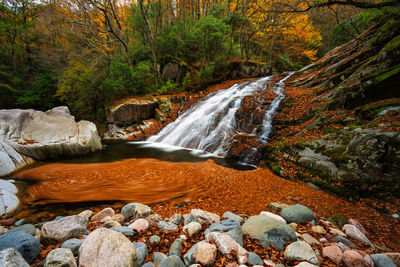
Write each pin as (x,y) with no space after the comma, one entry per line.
(210,124)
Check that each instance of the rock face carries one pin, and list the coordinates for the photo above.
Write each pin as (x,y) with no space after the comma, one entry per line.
(115,250)
(63,229)
(30,134)
(132,111)
(24,243)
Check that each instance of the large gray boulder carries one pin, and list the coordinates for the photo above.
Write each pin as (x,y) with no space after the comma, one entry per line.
(61,230)
(30,134)
(115,250)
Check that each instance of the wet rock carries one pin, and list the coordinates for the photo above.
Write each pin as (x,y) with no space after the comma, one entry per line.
(154,219)
(353,232)
(142,252)
(115,249)
(193,228)
(226,244)
(230,227)
(381,260)
(27,228)
(334,253)
(167,226)
(309,239)
(64,229)
(154,240)
(73,244)
(269,231)
(24,243)
(232,216)
(298,214)
(102,214)
(254,259)
(205,254)
(172,261)
(175,248)
(177,219)
(190,218)
(343,240)
(205,217)
(12,258)
(301,251)
(140,225)
(158,257)
(126,231)
(60,257)
(273,216)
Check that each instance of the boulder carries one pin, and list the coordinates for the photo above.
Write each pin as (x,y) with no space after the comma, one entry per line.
(136,210)
(24,243)
(226,244)
(9,203)
(61,230)
(131,111)
(60,257)
(269,231)
(353,232)
(193,228)
(142,252)
(140,225)
(334,253)
(298,214)
(126,231)
(381,260)
(73,244)
(12,258)
(232,216)
(205,217)
(27,228)
(301,251)
(115,250)
(172,261)
(230,227)
(42,136)
(101,215)
(205,254)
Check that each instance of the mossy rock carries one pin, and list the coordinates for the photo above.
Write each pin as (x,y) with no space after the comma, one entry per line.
(338,220)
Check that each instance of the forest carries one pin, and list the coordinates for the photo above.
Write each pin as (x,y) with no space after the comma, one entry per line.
(87,54)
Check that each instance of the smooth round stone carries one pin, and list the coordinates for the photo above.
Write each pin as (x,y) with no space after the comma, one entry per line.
(24,243)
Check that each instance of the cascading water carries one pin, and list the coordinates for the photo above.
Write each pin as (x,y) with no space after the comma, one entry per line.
(210,124)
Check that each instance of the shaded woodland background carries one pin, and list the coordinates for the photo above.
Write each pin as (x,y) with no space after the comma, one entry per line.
(87,54)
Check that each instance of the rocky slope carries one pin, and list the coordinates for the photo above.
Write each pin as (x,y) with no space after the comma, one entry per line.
(135,236)
(339,124)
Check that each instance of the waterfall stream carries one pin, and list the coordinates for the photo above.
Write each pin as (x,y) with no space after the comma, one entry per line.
(210,124)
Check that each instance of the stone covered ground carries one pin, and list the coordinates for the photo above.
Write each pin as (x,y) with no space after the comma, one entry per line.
(137,236)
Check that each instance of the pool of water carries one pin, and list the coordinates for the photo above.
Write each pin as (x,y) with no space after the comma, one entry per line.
(126,150)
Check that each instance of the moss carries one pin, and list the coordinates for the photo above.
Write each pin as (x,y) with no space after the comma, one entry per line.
(387,74)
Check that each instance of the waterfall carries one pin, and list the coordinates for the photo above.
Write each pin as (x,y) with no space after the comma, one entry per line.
(210,124)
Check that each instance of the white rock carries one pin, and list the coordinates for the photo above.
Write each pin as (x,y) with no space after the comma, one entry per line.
(226,244)
(273,216)
(355,233)
(193,228)
(300,251)
(104,247)
(205,217)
